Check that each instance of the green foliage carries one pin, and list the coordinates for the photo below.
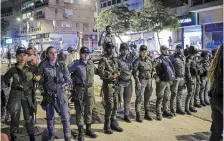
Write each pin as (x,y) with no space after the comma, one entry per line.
(4,27)
(155,18)
(119,17)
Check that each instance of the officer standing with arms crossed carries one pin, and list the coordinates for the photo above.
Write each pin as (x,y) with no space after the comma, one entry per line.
(23,76)
(191,73)
(108,71)
(83,71)
(125,82)
(143,71)
(166,74)
(178,60)
(54,77)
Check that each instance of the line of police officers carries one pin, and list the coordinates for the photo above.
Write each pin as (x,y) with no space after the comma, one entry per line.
(171,74)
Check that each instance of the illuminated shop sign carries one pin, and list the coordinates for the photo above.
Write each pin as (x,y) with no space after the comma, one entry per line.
(188,20)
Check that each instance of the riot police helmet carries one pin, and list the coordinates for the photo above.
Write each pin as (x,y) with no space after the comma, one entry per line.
(143,48)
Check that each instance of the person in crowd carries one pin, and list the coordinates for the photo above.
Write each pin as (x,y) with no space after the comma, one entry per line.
(143,72)
(205,83)
(108,37)
(191,74)
(178,60)
(83,71)
(23,76)
(70,57)
(9,57)
(109,73)
(31,57)
(54,76)
(166,74)
(215,76)
(186,51)
(125,82)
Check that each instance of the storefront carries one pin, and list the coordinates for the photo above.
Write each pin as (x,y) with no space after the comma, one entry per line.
(212,25)
(191,31)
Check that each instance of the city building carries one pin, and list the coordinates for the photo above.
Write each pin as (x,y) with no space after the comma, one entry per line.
(60,23)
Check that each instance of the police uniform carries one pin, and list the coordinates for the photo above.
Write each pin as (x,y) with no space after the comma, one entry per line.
(166,73)
(191,73)
(125,81)
(143,70)
(53,79)
(205,83)
(178,61)
(20,95)
(83,85)
(107,67)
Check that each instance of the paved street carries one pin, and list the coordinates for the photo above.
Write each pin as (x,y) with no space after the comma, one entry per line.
(180,128)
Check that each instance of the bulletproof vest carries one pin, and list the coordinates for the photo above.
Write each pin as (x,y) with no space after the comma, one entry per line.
(168,69)
(111,65)
(179,66)
(145,68)
(125,66)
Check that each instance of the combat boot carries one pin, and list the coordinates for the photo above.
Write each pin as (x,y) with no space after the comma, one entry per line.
(203,104)
(51,137)
(147,116)
(89,131)
(188,112)
(197,105)
(206,102)
(180,111)
(127,119)
(115,126)
(173,112)
(107,129)
(159,117)
(192,109)
(32,138)
(138,117)
(13,138)
(167,114)
(81,133)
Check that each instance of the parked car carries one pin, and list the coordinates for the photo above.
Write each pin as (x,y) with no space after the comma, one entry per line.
(96,56)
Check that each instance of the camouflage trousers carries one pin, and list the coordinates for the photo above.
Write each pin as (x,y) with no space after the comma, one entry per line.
(111,101)
(163,96)
(143,94)
(85,108)
(176,94)
(204,89)
(191,87)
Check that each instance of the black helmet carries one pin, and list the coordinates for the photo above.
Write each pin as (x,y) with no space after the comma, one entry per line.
(84,50)
(123,46)
(109,45)
(21,50)
(179,46)
(192,50)
(143,48)
(70,49)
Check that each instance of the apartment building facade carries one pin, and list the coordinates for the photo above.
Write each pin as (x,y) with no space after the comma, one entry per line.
(60,23)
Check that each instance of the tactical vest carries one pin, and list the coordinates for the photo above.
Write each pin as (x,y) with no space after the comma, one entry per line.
(168,69)
(145,69)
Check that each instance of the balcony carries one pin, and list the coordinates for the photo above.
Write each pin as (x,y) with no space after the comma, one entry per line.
(39,4)
(31,30)
(6,14)
(27,9)
(40,16)
(205,5)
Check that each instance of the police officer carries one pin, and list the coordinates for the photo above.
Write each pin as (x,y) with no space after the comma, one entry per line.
(23,76)
(205,85)
(54,77)
(191,73)
(142,71)
(178,61)
(83,71)
(125,82)
(166,74)
(134,53)
(108,71)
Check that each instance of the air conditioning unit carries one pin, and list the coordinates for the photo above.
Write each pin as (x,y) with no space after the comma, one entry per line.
(65,15)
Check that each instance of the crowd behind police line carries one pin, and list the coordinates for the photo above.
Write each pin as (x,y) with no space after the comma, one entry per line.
(171,73)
